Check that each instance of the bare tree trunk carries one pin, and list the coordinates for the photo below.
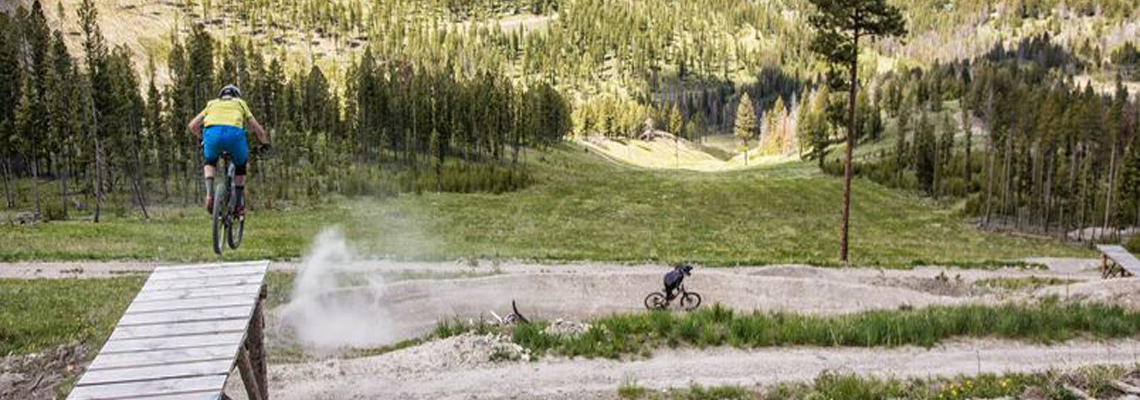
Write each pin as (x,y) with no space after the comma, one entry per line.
(9,194)
(847,172)
(1070,193)
(36,178)
(991,161)
(1083,198)
(140,184)
(1008,180)
(969,134)
(63,182)
(1047,196)
(1111,185)
(98,177)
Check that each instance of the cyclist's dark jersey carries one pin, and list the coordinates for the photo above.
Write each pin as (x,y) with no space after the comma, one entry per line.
(673,279)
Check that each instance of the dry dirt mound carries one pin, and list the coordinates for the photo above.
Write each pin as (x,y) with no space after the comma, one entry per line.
(1125,292)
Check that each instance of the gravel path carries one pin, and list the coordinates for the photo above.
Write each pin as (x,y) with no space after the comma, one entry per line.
(431,371)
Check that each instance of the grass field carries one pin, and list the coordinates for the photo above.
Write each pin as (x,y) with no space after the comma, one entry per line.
(582,208)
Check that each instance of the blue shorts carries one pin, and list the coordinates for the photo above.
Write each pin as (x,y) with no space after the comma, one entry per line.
(231,139)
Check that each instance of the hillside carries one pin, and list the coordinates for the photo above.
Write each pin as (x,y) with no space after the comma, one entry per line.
(725,41)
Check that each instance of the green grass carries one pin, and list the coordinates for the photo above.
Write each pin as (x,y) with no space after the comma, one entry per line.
(1049,384)
(1022,283)
(40,314)
(582,208)
(1048,321)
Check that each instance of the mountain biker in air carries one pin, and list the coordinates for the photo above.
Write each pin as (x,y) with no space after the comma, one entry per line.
(674,278)
(225,119)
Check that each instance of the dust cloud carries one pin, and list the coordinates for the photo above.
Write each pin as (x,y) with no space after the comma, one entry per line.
(335,303)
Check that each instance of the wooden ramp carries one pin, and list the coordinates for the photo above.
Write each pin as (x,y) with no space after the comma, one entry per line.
(182,335)
(1117,261)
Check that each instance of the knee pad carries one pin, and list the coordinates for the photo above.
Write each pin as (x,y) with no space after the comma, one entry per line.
(239,170)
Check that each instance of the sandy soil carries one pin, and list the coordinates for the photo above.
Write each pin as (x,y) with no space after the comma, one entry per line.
(437,371)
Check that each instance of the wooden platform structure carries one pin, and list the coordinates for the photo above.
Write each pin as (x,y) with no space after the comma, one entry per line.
(1116,261)
(182,336)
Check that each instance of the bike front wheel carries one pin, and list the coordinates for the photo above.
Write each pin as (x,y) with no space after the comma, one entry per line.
(690,301)
(219,220)
(234,232)
(655,301)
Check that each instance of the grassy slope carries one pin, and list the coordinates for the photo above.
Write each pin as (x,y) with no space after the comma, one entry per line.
(583,208)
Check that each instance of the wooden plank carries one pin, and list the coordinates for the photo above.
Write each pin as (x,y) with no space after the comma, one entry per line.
(168,295)
(196,283)
(168,268)
(213,383)
(209,314)
(156,372)
(201,273)
(172,343)
(184,396)
(159,357)
(1121,256)
(180,329)
(191,304)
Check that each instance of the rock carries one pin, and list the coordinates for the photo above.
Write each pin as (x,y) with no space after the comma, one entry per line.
(28,218)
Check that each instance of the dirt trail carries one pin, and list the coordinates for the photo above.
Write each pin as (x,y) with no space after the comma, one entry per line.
(416,306)
(406,375)
(102,269)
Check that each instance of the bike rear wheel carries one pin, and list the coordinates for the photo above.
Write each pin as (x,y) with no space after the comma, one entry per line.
(221,212)
(655,301)
(690,301)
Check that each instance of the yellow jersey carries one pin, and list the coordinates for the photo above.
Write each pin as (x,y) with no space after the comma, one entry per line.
(232,112)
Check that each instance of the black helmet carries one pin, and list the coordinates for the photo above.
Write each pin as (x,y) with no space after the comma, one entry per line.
(230,91)
(685,269)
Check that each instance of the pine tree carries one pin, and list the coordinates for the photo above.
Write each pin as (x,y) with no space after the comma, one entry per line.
(925,155)
(839,25)
(745,126)
(60,104)
(95,51)
(11,82)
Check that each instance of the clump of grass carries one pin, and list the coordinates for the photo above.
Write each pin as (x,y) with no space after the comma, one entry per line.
(1022,283)
(39,314)
(446,329)
(1047,321)
(1049,384)
(629,390)
(698,392)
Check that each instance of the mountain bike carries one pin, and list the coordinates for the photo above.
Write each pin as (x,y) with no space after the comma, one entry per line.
(689,300)
(224,221)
